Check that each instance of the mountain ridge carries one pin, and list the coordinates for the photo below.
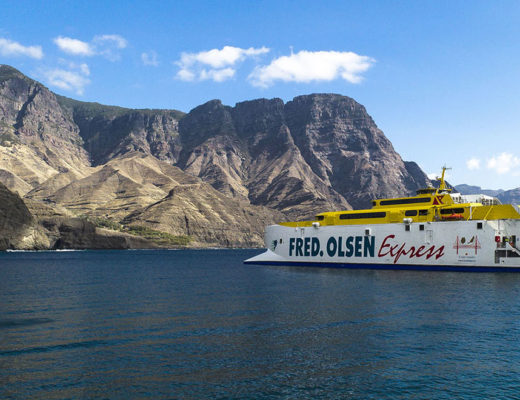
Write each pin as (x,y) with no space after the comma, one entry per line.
(235,169)
(505,196)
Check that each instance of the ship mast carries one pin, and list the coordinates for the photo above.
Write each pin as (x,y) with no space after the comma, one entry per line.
(442,185)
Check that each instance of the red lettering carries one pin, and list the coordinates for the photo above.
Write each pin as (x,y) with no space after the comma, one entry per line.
(393,248)
(432,251)
(383,245)
(387,248)
(403,252)
(418,252)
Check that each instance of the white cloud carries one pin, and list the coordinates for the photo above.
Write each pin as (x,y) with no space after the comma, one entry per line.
(74,79)
(84,69)
(473,164)
(306,66)
(109,46)
(150,58)
(195,65)
(186,75)
(217,75)
(105,45)
(435,176)
(11,48)
(216,58)
(115,40)
(74,46)
(503,163)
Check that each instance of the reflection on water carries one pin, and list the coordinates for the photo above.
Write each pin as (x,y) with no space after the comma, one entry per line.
(192,324)
(8,323)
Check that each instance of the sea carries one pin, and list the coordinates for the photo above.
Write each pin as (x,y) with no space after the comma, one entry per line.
(200,324)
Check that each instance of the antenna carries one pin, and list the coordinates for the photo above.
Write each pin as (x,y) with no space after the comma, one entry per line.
(442,185)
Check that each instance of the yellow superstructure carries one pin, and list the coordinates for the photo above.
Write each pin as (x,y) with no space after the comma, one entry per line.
(429,205)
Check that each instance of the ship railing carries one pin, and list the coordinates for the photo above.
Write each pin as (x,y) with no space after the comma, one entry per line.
(515,249)
(482,199)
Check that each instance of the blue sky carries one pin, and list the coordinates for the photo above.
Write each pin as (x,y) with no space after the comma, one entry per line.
(440,78)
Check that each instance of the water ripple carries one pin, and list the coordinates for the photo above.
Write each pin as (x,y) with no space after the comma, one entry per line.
(64,346)
(9,323)
(200,324)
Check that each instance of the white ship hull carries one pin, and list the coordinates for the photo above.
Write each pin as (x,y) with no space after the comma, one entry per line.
(486,245)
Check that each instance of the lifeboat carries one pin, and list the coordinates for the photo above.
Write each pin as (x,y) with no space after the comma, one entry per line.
(452,217)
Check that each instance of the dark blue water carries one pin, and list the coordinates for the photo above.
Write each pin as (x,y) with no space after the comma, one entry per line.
(200,324)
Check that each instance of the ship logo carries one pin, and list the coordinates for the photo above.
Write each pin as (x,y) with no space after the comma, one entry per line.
(464,243)
(437,200)
(274,243)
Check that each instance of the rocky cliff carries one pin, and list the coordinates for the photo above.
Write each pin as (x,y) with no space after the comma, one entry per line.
(317,152)
(30,115)
(109,131)
(217,174)
(16,222)
(138,190)
(28,225)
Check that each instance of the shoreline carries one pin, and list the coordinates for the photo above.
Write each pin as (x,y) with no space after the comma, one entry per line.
(123,249)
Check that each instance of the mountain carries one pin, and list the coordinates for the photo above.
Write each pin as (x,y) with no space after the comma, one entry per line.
(30,114)
(138,190)
(16,221)
(510,196)
(28,225)
(505,196)
(109,131)
(469,189)
(217,174)
(321,151)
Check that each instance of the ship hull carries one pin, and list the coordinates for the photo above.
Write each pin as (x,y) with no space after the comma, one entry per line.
(484,245)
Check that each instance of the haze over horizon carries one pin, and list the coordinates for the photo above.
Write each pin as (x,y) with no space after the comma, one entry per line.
(439,78)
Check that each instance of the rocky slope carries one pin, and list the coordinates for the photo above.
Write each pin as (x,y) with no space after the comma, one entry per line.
(215,169)
(33,225)
(317,152)
(139,190)
(31,115)
(109,131)
(248,152)
(510,196)
(16,222)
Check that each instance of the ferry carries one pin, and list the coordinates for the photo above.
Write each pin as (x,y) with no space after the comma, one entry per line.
(434,230)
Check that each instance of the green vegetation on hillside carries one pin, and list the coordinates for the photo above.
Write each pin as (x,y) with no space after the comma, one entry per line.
(92,109)
(159,237)
(7,72)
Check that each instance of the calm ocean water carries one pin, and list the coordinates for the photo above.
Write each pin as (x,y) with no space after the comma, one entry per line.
(200,324)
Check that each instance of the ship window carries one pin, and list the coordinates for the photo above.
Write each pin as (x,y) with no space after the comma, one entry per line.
(423,212)
(363,215)
(280,241)
(410,213)
(320,217)
(374,203)
(452,211)
(407,228)
(421,227)
(411,200)
(479,225)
